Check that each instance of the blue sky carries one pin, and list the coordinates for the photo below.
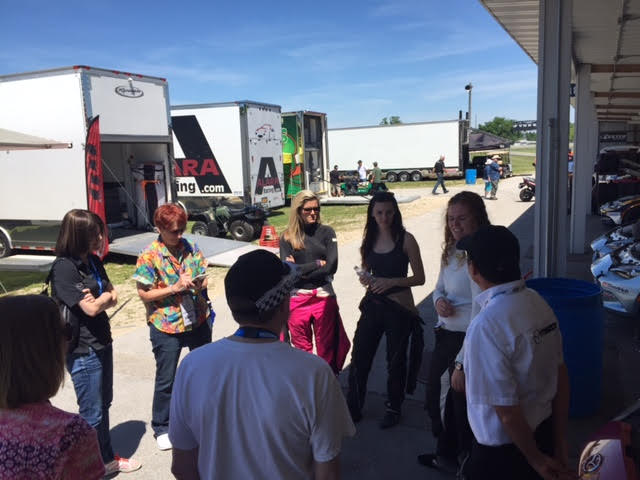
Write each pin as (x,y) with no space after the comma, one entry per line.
(358,61)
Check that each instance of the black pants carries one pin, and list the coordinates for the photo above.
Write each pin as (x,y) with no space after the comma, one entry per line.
(369,331)
(166,349)
(506,462)
(448,344)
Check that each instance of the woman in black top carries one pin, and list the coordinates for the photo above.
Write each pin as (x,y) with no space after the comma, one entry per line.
(314,249)
(80,284)
(387,307)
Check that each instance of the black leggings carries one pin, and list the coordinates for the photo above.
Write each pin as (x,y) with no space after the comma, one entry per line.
(371,326)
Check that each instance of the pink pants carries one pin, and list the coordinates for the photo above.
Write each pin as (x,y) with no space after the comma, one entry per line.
(332,343)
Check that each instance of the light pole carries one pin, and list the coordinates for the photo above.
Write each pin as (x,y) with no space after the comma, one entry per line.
(468,87)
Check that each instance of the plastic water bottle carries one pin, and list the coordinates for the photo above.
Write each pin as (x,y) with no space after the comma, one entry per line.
(363,273)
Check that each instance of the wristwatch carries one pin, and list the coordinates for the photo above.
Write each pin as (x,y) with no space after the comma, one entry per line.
(458,366)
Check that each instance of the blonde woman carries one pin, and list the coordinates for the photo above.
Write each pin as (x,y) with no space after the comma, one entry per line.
(313,247)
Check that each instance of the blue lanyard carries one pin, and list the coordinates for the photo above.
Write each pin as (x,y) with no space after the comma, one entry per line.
(96,275)
(255,332)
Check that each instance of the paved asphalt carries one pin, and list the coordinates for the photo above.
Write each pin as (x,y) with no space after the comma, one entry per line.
(372,453)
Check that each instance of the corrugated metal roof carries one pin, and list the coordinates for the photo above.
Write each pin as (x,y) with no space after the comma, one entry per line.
(606,35)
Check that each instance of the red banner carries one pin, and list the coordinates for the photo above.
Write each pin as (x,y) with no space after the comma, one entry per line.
(95,185)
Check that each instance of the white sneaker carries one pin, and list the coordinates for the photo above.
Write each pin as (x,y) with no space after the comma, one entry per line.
(163,442)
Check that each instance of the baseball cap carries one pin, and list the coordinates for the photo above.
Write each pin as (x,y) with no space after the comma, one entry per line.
(258,281)
(495,251)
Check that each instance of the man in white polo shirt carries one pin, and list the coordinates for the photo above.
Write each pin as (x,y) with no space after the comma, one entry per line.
(516,381)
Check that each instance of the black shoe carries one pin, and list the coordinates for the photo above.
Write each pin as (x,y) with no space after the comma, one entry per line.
(446,191)
(390,419)
(435,193)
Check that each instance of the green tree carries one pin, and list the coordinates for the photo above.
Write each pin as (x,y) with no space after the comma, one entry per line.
(530,136)
(503,127)
(572,132)
(392,120)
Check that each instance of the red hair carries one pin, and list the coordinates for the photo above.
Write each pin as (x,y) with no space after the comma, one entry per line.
(168,214)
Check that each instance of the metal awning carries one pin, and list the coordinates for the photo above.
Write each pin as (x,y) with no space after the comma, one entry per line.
(11,140)
(605,35)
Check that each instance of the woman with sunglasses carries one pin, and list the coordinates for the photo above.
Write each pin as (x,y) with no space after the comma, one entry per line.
(80,284)
(313,247)
(170,281)
(387,308)
(38,440)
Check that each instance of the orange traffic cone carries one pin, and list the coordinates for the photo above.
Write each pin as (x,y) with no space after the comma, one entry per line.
(269,237)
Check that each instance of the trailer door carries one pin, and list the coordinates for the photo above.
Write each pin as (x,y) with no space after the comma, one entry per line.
(266,172)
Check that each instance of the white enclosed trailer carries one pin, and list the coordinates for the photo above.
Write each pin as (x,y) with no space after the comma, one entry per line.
(37,187)
(406,151)
(229,149)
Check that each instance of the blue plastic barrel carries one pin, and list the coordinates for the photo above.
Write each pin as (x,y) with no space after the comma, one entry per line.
(470,176)
(578,306)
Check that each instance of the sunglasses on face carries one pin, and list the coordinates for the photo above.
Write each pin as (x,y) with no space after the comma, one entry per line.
(311,209)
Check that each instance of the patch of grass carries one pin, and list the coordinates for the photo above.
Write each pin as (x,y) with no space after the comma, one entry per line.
(516,150)
(340,217)
(522,165)
(31,282)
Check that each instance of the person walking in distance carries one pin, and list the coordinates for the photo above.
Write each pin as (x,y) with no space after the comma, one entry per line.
(493,172)
(438,168)
(249,406)
(376,178)
(516,381)
(362,172)
(453,300)
(387,308)
(313,247)
(334,181)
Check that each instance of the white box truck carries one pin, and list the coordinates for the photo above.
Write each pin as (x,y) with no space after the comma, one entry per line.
(231,149)
(406,151)
(37,187)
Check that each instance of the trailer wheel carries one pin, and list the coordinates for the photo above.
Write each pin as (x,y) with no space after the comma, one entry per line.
(404,176)
(241,230)
(392,177)
(416,176)
(5,251)
(200,228)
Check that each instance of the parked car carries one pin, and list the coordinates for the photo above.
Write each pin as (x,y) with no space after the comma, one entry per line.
(620,211)
(618,274)
(613,240)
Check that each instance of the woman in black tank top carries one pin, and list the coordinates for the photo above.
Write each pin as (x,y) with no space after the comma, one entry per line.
(387,307)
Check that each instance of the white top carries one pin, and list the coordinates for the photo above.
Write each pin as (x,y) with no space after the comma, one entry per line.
(362,172)
(257,410)
(455,285)
(513,349)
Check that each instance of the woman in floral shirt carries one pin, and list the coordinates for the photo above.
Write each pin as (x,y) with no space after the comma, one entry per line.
(37,440)
(170,279)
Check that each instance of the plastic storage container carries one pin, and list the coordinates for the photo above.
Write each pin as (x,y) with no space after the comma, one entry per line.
(470,176)
(578,306)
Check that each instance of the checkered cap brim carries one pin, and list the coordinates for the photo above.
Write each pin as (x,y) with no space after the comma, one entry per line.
(274,296)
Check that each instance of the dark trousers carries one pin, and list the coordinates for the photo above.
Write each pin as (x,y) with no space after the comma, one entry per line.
(440,181)
(506,462)
(448,344)
(365,343)
(166,349)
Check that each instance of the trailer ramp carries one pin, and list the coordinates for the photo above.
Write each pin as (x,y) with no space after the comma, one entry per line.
(218,251)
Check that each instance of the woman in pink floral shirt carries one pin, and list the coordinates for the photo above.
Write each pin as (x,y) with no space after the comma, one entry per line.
(37,440)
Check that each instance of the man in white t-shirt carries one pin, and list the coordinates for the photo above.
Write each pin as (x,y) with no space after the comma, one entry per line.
(250,406)
(362,172)
(516,380)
